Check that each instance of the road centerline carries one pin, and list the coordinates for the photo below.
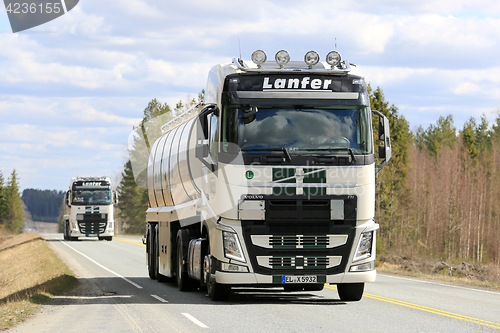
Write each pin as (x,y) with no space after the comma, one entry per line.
(429,309)
(130,242)
(159,298)
(194,320)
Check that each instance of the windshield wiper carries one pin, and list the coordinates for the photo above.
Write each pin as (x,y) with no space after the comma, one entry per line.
(332,149)
(282,149)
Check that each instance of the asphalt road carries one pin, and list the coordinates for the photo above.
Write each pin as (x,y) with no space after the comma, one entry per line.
(116,295)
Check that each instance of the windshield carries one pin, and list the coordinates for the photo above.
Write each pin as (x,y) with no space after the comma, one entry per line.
(91,197)
(299,129)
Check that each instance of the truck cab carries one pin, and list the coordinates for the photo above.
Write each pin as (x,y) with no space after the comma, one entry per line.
(89,209)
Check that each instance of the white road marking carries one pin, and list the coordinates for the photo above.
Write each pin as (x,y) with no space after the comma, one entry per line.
(194,320)
(439,284)
(103,267)
(159,298)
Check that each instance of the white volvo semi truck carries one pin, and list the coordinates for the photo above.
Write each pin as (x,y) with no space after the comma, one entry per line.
(270,182)
(89,209)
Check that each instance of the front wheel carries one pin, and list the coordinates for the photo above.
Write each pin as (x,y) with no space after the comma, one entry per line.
(216,291)
(184,282)
(350,292)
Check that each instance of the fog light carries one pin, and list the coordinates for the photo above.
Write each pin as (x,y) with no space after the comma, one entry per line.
(311,58)
(368,266)
(282,58)
(333,58)
(79,217)
(259,57)
(233,268)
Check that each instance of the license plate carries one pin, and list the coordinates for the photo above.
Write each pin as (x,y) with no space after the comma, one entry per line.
(300,279)
(91,235)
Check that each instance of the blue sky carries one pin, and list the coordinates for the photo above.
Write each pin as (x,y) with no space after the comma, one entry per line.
(71,89)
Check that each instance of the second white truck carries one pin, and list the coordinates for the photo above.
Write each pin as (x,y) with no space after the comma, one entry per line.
(89,209)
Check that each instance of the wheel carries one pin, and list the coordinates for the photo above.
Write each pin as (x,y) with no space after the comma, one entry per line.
(150,240)
(314,287)
(350,292)
(184,282)
(66,230)
(216,291)
(159,277)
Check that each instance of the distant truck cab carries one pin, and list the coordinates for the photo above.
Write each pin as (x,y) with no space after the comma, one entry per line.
(89,208)
(270,182)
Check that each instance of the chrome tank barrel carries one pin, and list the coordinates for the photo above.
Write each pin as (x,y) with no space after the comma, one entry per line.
(174,173)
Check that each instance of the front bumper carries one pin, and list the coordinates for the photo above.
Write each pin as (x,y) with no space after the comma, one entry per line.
(249,279)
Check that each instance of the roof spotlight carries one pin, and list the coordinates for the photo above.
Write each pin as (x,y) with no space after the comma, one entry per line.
(259,57)
(333,58)
(311,58)
(282,58)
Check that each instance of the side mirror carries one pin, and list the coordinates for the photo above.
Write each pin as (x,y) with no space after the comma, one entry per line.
(67,200)
(381,129)
(384,150)
(115,197)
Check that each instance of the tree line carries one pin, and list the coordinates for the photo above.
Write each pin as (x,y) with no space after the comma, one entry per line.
(44,205)
(11,210)
(438,197)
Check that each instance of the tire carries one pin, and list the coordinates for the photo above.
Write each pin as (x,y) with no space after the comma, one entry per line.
(350,292)
(150,243)
(66,230)
(216,291)
(184,282)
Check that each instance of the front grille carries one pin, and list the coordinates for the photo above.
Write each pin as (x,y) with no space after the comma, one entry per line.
(297,263)
(93,224)
(298,241)
(291,247)
(300,208)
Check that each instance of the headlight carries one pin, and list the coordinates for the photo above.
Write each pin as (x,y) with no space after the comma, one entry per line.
(79,217)
(364,249)
(232,247)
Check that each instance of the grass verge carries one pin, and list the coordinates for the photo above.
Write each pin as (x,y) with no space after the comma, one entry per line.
(30,274)
(477,275)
